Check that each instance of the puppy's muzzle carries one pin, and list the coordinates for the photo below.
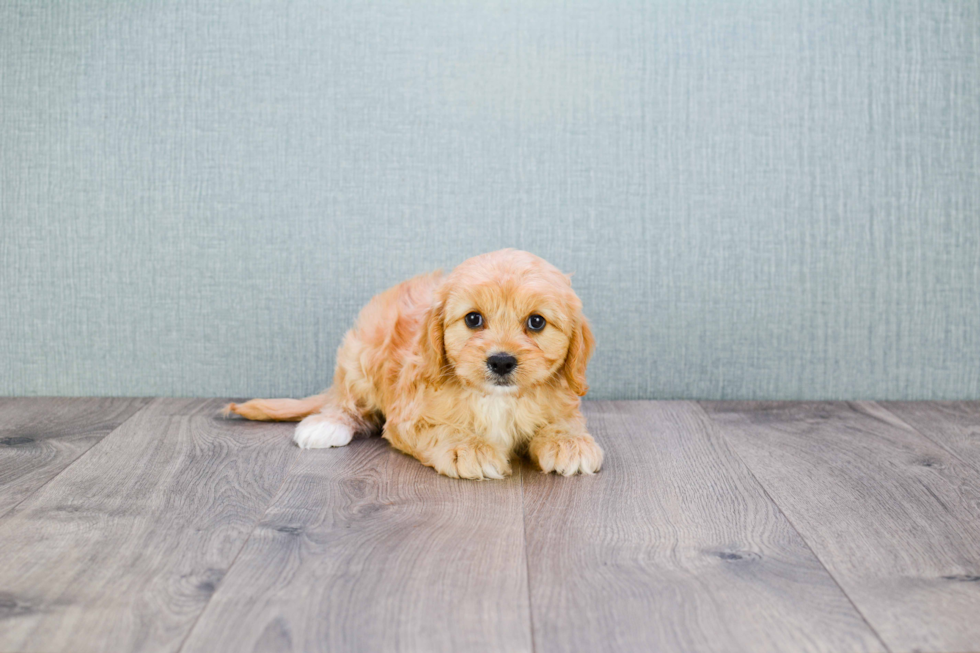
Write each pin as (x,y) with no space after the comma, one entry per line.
(501,364)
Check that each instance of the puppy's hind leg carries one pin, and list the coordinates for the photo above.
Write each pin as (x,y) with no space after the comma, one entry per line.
(335,425)
(328,428)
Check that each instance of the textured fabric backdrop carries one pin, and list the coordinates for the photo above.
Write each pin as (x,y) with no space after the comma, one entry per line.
(759,199)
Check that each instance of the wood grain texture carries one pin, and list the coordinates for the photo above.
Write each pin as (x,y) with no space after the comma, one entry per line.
(123,550)
(39,437)
(674,547)
(367,550)
(892,515)
(953,425)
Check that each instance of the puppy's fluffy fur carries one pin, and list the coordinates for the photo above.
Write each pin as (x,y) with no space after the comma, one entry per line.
(412,367)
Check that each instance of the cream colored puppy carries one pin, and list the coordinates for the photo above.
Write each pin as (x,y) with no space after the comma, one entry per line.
(461,372)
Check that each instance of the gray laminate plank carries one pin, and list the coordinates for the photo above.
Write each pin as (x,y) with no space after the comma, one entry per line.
(674,546)
(892,515)
(367,550)
(122,550)
(40,436)
(954,425)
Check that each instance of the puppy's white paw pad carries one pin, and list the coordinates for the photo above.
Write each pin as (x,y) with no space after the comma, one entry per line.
(320,434)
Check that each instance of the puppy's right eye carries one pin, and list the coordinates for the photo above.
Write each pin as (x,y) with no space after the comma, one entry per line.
(473,320)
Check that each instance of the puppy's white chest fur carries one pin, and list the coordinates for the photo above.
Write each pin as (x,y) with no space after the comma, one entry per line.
(496,418)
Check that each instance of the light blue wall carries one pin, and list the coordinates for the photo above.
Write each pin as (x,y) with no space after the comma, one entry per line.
(765,199)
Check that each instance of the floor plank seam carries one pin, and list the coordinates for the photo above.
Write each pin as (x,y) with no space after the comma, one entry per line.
(938,443)
(716,428)
(680,545)
(527,558)
(272,501)
(34,492)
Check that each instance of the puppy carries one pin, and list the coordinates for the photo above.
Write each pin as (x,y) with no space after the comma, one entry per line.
(462,372)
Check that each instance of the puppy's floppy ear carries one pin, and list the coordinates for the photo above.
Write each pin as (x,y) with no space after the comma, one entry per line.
(579,350)
(431,346)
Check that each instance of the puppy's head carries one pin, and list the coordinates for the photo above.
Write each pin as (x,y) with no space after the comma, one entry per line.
(507,321)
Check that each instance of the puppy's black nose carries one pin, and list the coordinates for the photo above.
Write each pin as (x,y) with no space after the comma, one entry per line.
(501,364)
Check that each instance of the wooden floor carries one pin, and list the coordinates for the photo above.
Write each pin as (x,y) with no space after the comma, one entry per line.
(153,525)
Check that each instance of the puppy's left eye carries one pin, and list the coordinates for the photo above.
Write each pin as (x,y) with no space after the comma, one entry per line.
(535,323)
(473,320)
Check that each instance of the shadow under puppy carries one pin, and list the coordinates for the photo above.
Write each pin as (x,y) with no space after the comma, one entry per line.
(462,372)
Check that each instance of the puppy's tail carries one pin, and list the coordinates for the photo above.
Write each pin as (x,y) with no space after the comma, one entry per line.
(277,410)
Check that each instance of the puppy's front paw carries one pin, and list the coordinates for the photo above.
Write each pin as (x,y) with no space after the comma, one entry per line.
(476,460)
(320,432)
(566,454)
